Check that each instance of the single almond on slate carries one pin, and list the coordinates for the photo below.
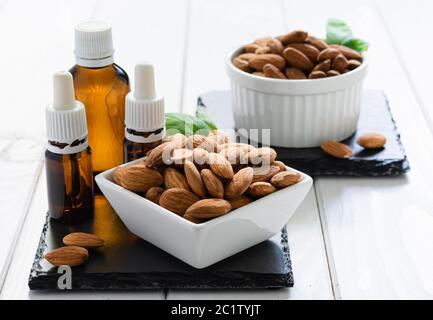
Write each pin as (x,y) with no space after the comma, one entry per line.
(85,240)
(329,53)
(262,41)
(209,208)
(259,61)
(271,71)
(280,164)
(336,149)
(353,64)
(212,183)
(241,64)
(347,52)
(317,43)
(139,178)
(177,200)
(251,47)
(324,66)
(294,73)
(240,183)
(117,175)
(179,156)
(275,45)
(285,179)
(261,189)
(239,201)
(317,75)
(192,219)
(174,179)
(332,73)
(67,256)
(194,179)
(220,165)
(297,59)
(293,37)
(340,63)
(310,51)
(154,193)
(372,140)
(262,155)
(265,172)
(263,50)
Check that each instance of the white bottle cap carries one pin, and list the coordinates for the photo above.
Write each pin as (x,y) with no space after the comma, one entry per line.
(144,110)
(65,118)
(93,44)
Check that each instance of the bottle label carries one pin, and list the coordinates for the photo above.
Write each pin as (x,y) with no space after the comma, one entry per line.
(144,137)
(68,146)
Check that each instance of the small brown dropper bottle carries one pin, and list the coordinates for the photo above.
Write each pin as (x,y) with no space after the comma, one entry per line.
(144,115)
(68,160)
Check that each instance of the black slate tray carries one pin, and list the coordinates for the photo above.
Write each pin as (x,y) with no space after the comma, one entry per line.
(375,117)
(127,262)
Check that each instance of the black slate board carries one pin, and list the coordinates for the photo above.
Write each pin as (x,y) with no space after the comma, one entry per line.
(127,262)
(375,117)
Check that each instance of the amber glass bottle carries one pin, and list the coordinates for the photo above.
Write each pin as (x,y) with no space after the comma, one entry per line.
(145,116)
(102,86)
(68,158)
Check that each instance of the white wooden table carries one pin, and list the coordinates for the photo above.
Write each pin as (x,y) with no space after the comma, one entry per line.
(366,238)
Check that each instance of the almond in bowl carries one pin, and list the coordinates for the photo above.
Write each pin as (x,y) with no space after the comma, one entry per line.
(221,211)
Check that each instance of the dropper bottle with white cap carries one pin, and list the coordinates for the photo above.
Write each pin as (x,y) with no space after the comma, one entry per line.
(144,115)
(68,160)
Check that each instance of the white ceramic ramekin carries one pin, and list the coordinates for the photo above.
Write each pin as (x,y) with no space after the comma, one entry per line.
(299,113)
(201,245)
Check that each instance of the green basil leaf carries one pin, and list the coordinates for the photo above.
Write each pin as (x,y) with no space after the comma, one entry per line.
(177,122)
(337,31)
(356,44)
(200,114)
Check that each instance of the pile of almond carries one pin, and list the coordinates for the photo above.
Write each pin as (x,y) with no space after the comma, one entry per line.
(203,177)
(296,55)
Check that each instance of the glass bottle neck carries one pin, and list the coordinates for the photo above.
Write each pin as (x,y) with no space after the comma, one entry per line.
(94,63)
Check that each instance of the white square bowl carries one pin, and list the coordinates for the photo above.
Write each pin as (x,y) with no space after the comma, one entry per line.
(201,245)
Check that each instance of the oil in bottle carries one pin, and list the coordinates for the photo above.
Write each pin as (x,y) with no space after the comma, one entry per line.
(145,116)
(68,158)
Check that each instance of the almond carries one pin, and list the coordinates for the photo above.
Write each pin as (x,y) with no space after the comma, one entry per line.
(262,155)
(240,183)
(220,165)
(294,73)
(67,256)
(353,64)
(154,156)
(246,56)
(329,53)
(372,140)
(85,240)
(275,46)
(251,47)
(265,172)
(239,201)
(297,59)
(194,141)
(139,178)
(280,165)
(219,137)
(340,63)
(161,154)
(241,64)
(193,219)
(263,50)
(310,51)
(212,183)
(261,189)
(235,155)
(271,71)
(179,156)
(324,66)
(209,208)
(332,73)
(258,74)
(317,43)
(347,52)
(259,61)
(117,175)
(261,42)
(194,179)
(200,156)
(285,179)
(244,146)
(294,36)
(336,149)
(174,179)
(177,200)
(154,193)
(317,75)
